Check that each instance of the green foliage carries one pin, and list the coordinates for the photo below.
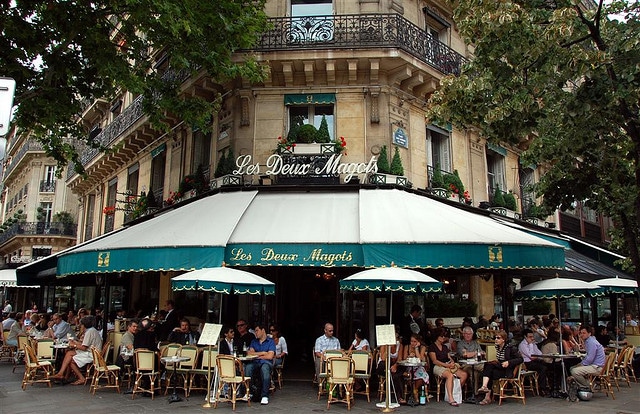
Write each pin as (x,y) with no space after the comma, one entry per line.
(221,167)
(445,307)
(510,201)
(307,134)
(323,131)
(453,183)
(195,181)
(296,123)
(536,307)
(40,216)
(230,162)
(383,161)
(536,211)
(437,180)
(396,163)
(498,198)
(63,217)
(563,83)
(79,59)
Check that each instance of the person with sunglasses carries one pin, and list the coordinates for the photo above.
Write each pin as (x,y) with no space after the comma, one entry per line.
(281,344)
(244,336)
(507,358)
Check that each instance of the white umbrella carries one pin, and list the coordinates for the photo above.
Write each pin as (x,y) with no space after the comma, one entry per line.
(618,285)
(559,288)
(223,280)
(391,279)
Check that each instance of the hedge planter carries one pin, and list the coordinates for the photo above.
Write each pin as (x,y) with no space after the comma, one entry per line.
(380,178)
(311,149)
(503,211)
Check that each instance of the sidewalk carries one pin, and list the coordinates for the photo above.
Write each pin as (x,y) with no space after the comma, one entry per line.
(295,397)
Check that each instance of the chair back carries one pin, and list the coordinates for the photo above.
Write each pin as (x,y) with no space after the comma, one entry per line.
(608,364)
(330,353)
(44,349)
(518,370)
(629,353)
(191,352)
(281,365)
(98,359)
(207,355)
(5,336)
(342,368)
(171,349)
(29,355)
(23,340)
(145,360)
(227,366)
(106,347)
(362,361)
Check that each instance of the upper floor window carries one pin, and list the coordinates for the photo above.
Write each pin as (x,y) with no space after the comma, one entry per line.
(439,148)
(436,25)
(495,168)
(311,7)
(201,155)
(112,190)
(306,27)
(311,109)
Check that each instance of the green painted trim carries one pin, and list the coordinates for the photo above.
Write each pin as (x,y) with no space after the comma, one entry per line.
(497,148)
(310,99)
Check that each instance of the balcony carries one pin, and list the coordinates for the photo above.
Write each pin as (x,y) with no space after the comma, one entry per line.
(38,229)
(360,31)
(47,186)
(29,146)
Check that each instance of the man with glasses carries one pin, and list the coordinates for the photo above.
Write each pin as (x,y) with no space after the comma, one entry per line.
(244,337)
(593,362)
(58,327)
(530,353)
(323,343)
(469,348)
(264,349)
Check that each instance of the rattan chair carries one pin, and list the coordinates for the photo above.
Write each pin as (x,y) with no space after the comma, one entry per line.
(602,381)
(102,371)
(35,371)
(231,373)
(145,367)
(277,370)
(530,381)
(341,378)
(23,340)
(184,368)
(362,361)
(514,383)
(201,374)
(7,351)
(325,368)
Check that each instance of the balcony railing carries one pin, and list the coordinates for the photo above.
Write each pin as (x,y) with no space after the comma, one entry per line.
(31,145)
(47,186)
(38,228)
(360,30)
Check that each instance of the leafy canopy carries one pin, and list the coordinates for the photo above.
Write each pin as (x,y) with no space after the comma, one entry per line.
(563,82)
(64,54)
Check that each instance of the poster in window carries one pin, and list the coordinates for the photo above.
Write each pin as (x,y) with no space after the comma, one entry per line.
(400,137)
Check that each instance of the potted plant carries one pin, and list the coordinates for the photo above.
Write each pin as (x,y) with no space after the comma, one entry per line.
(395,171)
(499,204)
(224,171)
(453,184)
(510,201)
(536,214)
(383,161)
(66,221)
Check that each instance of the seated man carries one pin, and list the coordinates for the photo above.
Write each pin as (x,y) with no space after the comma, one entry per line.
(530,353)
(81,356)
(593,362)
(184,335)
(265,350)
(126,343)
(323,343)
(469,348)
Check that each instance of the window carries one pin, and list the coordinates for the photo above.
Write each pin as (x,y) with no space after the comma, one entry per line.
(157,173)
(439,148)
(38,252)
(45,212)
(495,170)
(48,184)
(91,207)
(312,114)
(201,152)
(132,179)
(311,21)
(527,180)
(110,202)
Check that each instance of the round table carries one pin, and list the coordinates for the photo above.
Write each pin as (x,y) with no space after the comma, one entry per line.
(412,367)
(472,362)
(174,397)
(562,393)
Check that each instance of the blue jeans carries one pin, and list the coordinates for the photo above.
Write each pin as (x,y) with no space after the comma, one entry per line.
(265,371)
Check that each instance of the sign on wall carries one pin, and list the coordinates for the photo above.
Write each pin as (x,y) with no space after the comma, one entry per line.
(400,137)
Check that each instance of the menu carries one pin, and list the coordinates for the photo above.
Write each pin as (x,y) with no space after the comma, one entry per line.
(385,335)
(210,334)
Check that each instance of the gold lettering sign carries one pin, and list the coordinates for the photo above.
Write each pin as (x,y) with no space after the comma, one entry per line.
(495,254)
(103,259)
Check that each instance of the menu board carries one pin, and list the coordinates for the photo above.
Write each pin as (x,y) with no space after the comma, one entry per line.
(210,334)
(385,335)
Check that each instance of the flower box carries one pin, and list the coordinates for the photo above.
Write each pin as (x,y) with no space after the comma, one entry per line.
(503,211)
(535,220)
(228,179)
(310,149)
(380,178)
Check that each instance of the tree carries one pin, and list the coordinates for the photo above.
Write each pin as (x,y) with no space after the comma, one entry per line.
(383,161)
(396,163)
(63,54)
(323,131)
(562,82)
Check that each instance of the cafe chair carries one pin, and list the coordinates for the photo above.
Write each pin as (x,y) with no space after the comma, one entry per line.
(35,371)
(630,373)
(106,347)
(23,340)
(198,377)
(277,369)
(184,368)
(622,365)
(514,384)
(231,374)
(325,368)
(171,349)
(362,361)
(102,371)
(602,381)
(341,379)
(6,351)
(145,367)
(530,381)
(44,351)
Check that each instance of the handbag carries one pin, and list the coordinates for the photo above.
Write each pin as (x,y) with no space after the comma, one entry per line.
(457,392)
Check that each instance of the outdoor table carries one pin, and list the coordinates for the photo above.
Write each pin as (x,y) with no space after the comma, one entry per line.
(59,350)
(174,397)
(472,362)
(562,393)
(412,367)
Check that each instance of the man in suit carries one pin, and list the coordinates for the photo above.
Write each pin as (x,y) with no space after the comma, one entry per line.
(171,321)
(228,343)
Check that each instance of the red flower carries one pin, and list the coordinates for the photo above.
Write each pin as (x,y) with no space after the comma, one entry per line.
(109,210)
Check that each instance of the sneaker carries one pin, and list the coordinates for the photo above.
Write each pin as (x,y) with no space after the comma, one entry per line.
(264,401)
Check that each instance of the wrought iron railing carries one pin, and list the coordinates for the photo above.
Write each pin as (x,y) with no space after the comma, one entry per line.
(360,30)
(38,228)
(47,186)
(31,145)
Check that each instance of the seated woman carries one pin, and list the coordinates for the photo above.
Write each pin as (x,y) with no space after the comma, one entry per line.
(281,344)
(359,343)
(443,365)
(554,368)
(81,356)
(417,349)
(507,358)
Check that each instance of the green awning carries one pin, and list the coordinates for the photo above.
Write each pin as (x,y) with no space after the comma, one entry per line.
(310,99)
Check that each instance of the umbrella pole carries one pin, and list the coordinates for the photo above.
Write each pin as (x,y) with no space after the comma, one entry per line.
(391,309)
(220,311)
(564,373)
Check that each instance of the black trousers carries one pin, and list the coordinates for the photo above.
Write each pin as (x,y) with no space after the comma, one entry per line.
(541,369)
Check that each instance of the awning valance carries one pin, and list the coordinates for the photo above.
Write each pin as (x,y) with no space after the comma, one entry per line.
(8,278)
(310,99)
(358,228)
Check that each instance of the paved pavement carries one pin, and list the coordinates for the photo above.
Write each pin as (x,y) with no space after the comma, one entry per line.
(296,396)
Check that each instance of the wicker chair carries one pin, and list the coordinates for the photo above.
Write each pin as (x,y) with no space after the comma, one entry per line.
(341,378)
(35,371)
(602,381)
(110,373)
(145,367)
(231,373)
(515,383)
